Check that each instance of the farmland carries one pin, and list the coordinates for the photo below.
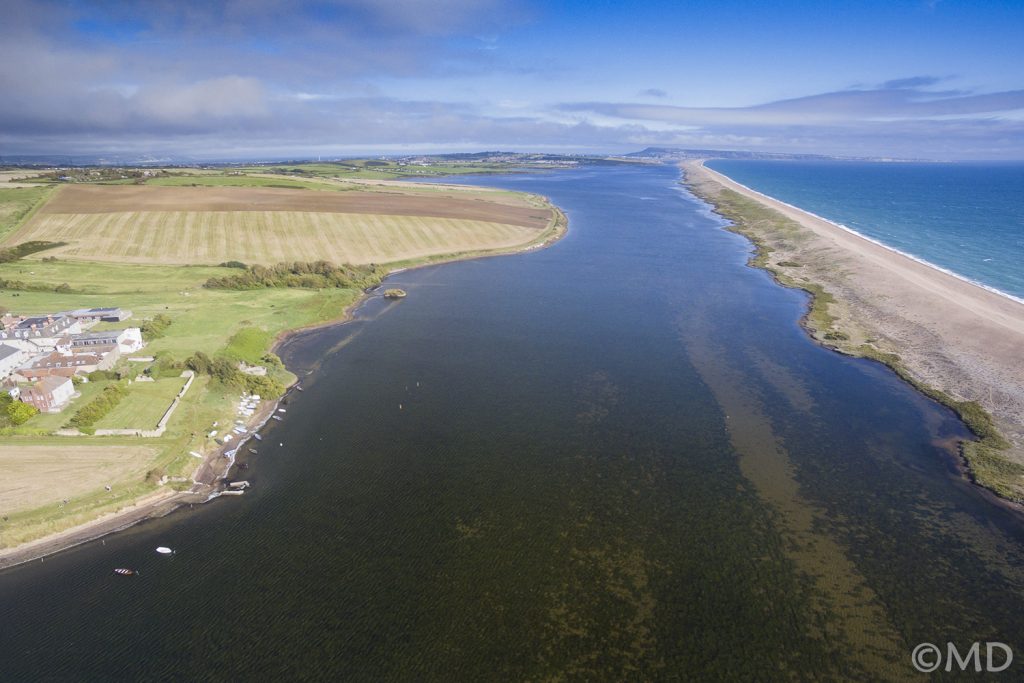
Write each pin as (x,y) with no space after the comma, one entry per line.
(33,472)
(151,248)
(141,224)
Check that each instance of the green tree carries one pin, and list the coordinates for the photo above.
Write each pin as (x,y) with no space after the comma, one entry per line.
(20,413)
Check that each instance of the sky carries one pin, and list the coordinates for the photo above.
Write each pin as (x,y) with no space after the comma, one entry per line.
(929,79)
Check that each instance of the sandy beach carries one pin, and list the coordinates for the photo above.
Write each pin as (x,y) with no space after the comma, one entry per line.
(948,333)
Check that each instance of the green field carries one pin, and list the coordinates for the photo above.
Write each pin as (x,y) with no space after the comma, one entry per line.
(203,319)
(17,204)
(144,405)
(206,180)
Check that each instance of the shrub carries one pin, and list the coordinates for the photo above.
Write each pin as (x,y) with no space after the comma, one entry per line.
(96,409)
(19,413)
(155,327)
(314,275)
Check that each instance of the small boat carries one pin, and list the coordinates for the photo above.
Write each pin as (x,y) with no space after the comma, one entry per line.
(257,437)
(239,484)
(125,572)
(276,417)
(281,410)
(232,492)
(164,550)
(300,388)
(253,451)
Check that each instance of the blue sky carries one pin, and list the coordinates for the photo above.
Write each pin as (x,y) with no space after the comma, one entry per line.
(914,78)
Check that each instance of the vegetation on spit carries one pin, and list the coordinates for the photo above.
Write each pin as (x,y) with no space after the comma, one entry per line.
(986,462)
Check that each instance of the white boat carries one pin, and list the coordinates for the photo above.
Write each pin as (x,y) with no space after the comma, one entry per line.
(276,417)
(239,484)
(164,550)
(232,492)
(281,410)
(125,572)
(257,437)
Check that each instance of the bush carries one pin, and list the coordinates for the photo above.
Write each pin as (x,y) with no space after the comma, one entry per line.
(25,248)
(234,264)
(165,366)
(155,327)
(19,413)
(315,275)
(226,371)
(96,409)
(101,375)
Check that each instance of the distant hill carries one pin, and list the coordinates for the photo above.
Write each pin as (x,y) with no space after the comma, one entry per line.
(673,153)
(679,154)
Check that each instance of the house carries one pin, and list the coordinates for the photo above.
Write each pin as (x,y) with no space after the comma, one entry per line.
(49,395)
(39,329)
(127,340)
(11,358)
(106,315)
(63,365)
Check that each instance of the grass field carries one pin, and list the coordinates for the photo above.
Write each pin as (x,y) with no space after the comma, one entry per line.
(203,319)
(45,474)
(267,237)
(16,203)
(210,225)
(144,405)
(209,180)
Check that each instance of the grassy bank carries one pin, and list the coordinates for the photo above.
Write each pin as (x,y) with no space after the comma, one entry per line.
(771,232)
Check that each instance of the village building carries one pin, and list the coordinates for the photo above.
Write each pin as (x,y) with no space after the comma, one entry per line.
(127,340)
(106,315)
(11,358)
(66,365)
(43,330)
(49,395)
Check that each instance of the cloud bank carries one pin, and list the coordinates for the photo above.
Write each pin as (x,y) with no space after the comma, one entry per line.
(278,78)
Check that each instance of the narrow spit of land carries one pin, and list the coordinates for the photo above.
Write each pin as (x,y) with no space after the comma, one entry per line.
(957,342)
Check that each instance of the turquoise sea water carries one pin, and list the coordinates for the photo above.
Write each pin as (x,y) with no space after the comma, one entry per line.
(967,218)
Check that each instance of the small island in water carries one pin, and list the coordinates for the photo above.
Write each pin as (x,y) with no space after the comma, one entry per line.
(394,293)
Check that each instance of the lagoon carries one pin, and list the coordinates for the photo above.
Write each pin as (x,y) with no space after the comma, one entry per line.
(616,458)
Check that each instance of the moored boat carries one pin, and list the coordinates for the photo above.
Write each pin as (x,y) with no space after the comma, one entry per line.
(164,550)
(122,571)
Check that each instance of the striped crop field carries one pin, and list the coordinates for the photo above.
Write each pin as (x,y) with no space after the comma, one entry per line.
(342,227)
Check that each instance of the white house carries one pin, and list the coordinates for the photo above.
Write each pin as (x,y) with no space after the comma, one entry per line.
(11,358)
(127,340)
(49,395)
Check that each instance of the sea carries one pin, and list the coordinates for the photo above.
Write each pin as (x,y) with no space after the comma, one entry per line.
(619,458)
(966,218)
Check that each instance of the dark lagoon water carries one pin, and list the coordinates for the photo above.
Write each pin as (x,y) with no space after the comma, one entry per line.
(619,458)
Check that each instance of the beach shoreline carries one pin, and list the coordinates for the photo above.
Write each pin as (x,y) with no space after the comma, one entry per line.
(955,340)
(160,503)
